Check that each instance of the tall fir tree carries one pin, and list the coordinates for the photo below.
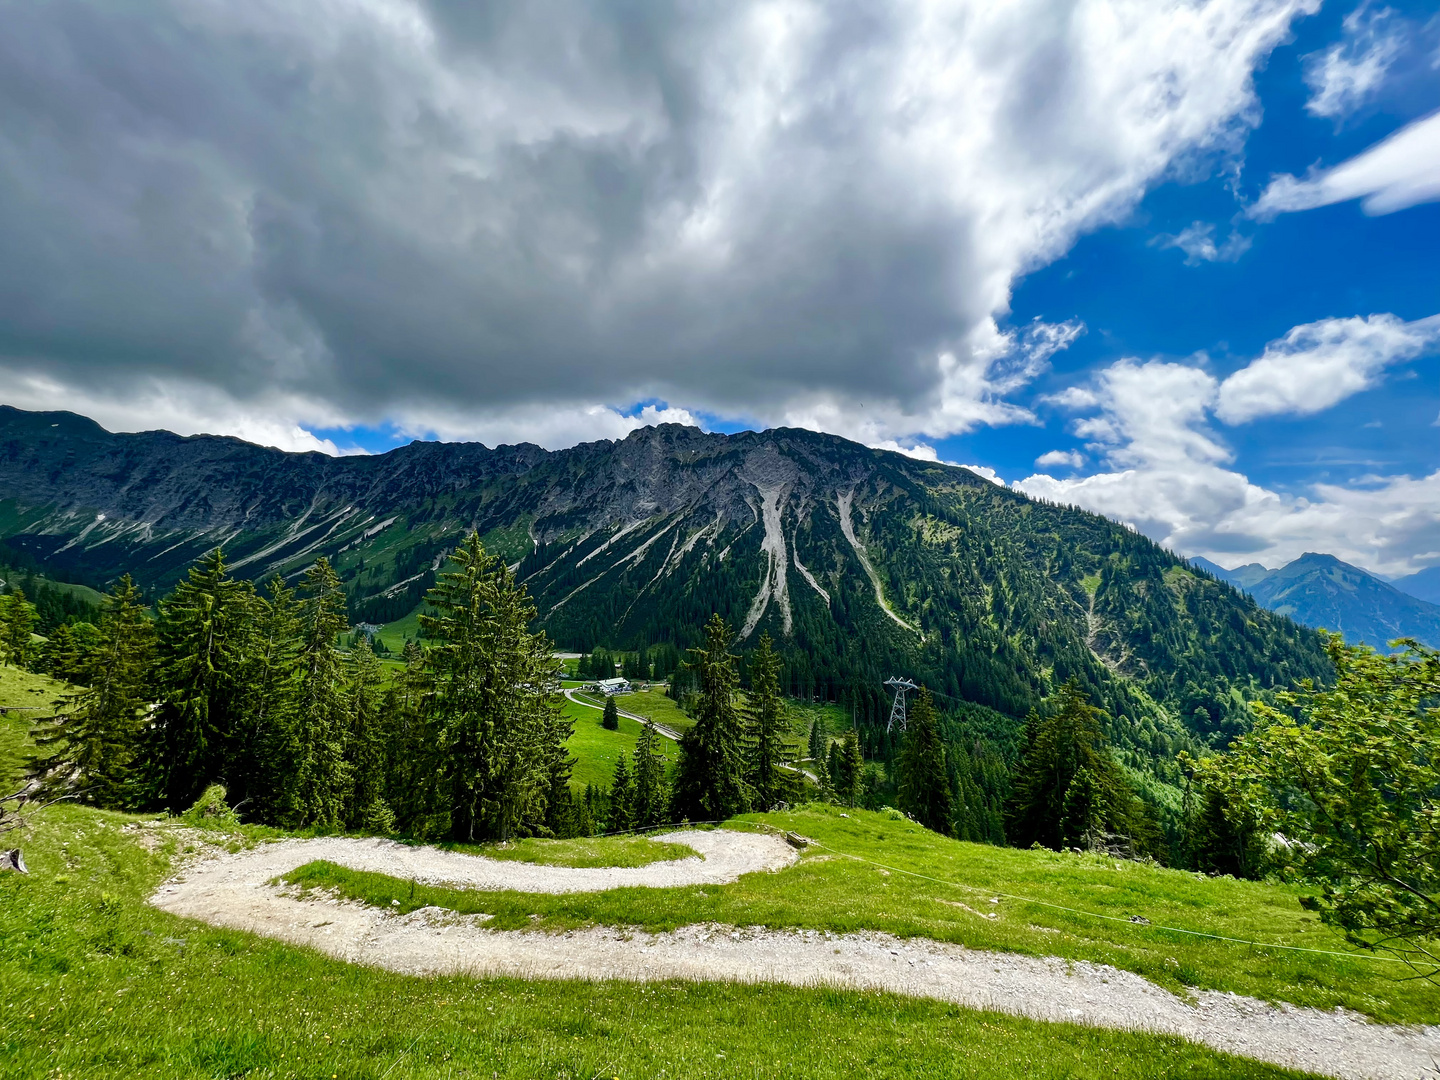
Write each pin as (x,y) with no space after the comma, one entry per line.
(17,625)
(1062,750)
(622,797)
(494,694)
(414,768)
(366,809)
(94,736)
(819,741)
(710,779)
(322,717)
(610,718)
(848,769)
(924,782)
(266,777)
(66,654)
(203,631)
(820,757)
(562,816)
(651,800)
(767,726)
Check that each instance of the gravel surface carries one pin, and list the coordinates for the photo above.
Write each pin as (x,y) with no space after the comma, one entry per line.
(231,890)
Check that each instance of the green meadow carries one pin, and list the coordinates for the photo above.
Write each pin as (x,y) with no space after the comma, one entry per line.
(100,985)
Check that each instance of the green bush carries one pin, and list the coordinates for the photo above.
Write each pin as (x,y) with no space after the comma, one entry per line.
(211,808)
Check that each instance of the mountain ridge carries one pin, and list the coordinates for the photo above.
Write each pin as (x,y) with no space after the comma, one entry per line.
(1320,590)
(860,562)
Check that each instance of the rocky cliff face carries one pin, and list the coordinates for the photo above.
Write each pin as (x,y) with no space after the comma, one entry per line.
(859,562)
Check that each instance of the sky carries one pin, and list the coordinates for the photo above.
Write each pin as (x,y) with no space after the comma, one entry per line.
(1178,263)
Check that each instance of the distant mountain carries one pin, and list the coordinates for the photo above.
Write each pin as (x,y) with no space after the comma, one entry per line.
(1242,577)
(860,563)
(1423,586)
(1323,592)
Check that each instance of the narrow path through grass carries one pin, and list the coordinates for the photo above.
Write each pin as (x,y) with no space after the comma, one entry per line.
(100,985)
(830,893)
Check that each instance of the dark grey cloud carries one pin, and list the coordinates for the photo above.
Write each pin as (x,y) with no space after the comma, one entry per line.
(443,213)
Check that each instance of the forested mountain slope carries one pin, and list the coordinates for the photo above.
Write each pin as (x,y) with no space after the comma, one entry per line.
(861,563)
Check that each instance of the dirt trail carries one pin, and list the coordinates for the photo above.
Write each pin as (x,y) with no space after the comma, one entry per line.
(231,890)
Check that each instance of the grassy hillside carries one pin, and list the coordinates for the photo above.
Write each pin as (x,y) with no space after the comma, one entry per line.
(103,986)
(972,894)
(23,698)
(596,750)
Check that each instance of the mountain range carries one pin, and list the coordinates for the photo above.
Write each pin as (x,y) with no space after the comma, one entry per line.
(861,563)
(1324,592)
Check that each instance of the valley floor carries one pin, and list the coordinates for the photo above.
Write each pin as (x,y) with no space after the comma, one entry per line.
(239,890)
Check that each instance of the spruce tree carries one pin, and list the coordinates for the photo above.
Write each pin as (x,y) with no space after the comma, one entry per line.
(1065,749)
(622,797)
(610,718)
(17,625)
(493,692)
(67,653)
(561,813)
(414,766)
(767,726)
(322,720)
(819,758)
(267,775)
(818,740)
(1223,835)
(849,783)
(203,631)
(924,781)
(366,809)
(710,780)
(651,799)
(96,730)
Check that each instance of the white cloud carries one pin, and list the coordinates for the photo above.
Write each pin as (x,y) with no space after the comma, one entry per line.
(1198,243)
(1343,76)
(1073,458)
(1321,364)
(551,427)
(1400,172)
(186,408)
(983,471)
(1167,474)
(415,212)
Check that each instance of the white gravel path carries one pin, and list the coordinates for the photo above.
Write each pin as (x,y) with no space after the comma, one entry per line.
(231,890)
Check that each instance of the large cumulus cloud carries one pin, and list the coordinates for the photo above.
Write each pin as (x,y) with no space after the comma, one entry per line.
(1167,470)
(449,216)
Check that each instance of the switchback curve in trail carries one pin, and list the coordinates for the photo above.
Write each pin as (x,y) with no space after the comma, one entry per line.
(234,890)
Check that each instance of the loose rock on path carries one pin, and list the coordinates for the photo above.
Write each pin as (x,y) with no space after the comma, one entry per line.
(232,890)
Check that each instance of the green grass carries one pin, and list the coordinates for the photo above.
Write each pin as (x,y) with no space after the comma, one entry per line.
(100,985)
(82,592)
(584,852)
(804,713)
(21,691)
(393,634)
(654,705)
(596,750)
(826,891)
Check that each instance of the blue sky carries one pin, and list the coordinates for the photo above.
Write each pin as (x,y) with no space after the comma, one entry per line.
(1140,299)
(1173,262)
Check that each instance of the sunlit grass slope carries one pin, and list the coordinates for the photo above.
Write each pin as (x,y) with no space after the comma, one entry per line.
(24,698)
(584,851)
(829,891)
(596,749)
(99,985)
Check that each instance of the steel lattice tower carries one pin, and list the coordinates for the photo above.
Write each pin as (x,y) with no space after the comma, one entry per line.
(897,710)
